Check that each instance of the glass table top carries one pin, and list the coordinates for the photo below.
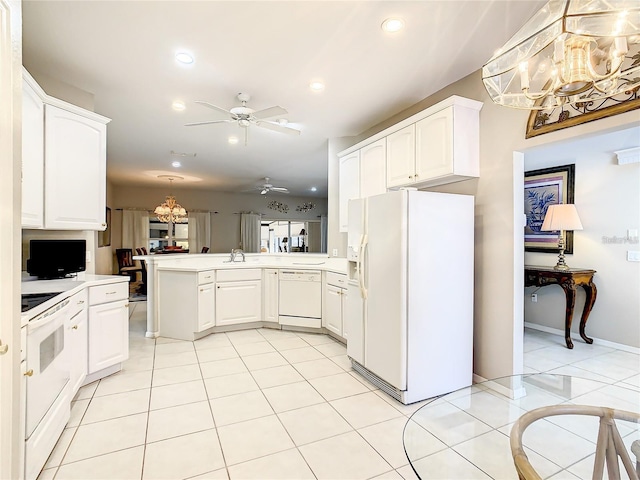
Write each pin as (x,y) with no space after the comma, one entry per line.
(466,434)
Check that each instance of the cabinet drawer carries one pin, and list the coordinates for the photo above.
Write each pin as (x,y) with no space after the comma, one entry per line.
(108,293)
(206,277)
(78,302)
(337,279)
(239,275)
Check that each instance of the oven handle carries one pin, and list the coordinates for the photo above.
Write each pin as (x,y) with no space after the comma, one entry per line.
(46,318)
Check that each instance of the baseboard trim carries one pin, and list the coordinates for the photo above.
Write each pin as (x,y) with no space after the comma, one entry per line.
(596,341)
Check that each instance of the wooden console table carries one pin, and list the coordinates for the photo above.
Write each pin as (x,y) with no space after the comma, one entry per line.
(568,280)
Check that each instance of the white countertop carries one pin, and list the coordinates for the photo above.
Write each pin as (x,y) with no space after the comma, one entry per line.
(66,287)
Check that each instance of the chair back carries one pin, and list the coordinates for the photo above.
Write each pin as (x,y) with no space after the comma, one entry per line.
(204,249)
(125,257)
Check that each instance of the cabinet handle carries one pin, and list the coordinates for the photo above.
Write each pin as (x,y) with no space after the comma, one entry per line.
(28,373)
(126,304)
(208,276)
(410,176)
(202,289)
(3,348)
(75,327)
(111,293)
(104,224)
(80,302)
(416,175)
(218,286)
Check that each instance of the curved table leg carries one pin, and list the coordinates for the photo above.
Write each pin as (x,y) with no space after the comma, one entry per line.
(591,291)
(570,294)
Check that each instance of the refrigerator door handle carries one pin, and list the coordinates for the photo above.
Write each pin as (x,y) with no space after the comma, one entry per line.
(363,249)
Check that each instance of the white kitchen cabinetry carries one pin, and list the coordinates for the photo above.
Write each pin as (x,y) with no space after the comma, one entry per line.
(77,339)
(373,159)
(335,294)
(349,186)
(108,326)
(270,294)
(64,159)
(238,296)
(194,310)
(32,154)
(401,157)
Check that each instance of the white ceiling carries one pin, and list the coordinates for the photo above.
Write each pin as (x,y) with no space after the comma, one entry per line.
(123,53)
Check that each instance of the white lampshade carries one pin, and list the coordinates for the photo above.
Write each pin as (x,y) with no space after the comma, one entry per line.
(563,216)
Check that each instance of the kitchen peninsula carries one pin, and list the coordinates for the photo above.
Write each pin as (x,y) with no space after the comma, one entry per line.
(210,286)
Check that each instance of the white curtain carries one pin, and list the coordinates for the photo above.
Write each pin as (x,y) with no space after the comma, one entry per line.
(199,231)
(135,229)
(250,232)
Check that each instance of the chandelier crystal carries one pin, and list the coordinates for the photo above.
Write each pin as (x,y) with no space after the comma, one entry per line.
(171,210)
(571,51)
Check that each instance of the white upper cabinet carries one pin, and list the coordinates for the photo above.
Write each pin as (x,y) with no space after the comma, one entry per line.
(32,156)
(64,163)
(349,185)
(401,157)
(373,159)
(74,171)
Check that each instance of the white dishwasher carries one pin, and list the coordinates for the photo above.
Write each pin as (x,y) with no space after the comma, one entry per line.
(300,298)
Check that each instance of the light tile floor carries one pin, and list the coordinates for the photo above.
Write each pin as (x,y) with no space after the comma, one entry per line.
(262,404)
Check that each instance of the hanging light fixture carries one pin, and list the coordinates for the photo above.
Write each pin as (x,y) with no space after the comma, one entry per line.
(170,210)
(571,51)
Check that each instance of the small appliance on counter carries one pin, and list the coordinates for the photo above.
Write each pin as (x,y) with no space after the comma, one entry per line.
(56,258)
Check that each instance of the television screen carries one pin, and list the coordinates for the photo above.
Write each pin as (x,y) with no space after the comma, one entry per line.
(56,258)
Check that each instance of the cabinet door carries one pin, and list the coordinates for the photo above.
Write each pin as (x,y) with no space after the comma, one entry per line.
(75,171)
(434,145)
(343,300)
(32,158)
(373,169)
(238,302)
(206,306)
(401,157)
(270,295)
(333,309)
(108,334)
(78,344)
(349,186)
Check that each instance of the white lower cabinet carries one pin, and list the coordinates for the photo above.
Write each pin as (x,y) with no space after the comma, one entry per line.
(77,330)
(206,306)
(238,302)
(270,295)
(108,326)
(335,296)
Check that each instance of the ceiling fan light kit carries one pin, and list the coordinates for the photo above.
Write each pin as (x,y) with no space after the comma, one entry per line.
(267,187)
(245,117)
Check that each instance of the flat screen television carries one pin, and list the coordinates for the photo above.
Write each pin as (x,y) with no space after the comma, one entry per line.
(56,258)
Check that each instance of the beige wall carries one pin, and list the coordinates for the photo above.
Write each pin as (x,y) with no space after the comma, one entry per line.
(607,197)
(225,224)
(499,290)
(105,256)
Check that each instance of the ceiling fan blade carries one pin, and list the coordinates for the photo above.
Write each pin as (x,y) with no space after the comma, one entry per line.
(214,107)
(280,189)
(278,128)
(207,123)
(269,112)
(264,191)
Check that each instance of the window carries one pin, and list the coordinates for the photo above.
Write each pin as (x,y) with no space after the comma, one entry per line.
(282,236)
(160,236)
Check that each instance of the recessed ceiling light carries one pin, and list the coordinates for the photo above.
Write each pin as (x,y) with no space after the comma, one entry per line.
(233,140)
(184,57)
(178,105)
(314,189)
(176,164)
(392,25)
(316,86)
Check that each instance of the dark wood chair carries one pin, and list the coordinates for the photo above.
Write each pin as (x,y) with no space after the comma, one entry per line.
(126,264)
(143,265)
(204,249)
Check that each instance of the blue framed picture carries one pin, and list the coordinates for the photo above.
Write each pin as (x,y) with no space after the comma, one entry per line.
(542,188)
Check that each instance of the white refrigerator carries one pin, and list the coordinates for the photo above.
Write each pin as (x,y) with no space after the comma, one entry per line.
(410,299)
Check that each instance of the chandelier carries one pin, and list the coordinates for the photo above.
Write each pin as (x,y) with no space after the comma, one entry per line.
(170,210)
(571,51)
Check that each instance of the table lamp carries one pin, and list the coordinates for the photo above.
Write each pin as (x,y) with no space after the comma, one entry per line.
(561,217)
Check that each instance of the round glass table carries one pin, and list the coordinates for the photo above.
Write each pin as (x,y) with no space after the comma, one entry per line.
(466,434)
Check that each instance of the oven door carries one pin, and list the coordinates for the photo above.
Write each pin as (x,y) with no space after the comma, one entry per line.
(48,369)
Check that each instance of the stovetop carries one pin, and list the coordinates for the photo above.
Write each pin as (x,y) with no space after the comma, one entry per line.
(32,300)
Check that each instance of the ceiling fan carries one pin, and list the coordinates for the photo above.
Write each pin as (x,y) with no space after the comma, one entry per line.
(245,117)
(267,187)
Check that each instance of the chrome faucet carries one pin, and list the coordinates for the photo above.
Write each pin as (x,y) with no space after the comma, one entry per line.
(234,253)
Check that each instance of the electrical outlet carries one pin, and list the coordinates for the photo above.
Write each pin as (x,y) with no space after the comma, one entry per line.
(534,297)
(335,252)
(88,256)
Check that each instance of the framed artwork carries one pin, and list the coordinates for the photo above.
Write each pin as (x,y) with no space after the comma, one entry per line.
(544,187)
(104,237)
